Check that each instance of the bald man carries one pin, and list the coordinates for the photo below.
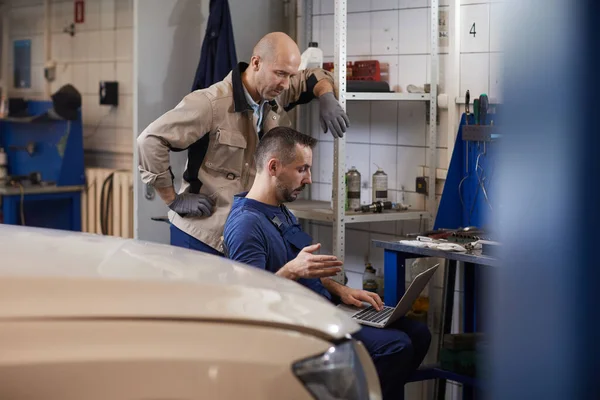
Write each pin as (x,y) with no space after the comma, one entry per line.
(220,127)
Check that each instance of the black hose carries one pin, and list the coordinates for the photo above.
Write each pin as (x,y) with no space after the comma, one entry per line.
(105,202)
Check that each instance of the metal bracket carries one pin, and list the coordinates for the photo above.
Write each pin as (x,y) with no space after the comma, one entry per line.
(149,192)
(479,133)
(70,29)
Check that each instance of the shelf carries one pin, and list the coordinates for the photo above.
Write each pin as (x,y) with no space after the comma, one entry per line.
(321,211)
(388,96)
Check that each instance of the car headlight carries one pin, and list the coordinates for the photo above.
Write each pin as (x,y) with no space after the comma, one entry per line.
(336,374)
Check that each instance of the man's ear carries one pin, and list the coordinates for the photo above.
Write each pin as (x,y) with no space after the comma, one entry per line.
(255,63)
(273,166)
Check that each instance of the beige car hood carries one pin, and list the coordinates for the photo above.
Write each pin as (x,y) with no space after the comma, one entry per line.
(60,274)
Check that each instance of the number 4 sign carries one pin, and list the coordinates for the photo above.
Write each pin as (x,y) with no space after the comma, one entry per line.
(79,12)
(475,28)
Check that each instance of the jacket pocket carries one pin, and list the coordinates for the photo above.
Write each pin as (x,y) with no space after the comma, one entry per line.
(226,153)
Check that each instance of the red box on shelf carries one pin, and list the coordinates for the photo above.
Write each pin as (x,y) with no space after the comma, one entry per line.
(367,70)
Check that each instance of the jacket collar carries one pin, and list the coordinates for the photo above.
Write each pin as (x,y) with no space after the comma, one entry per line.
(239,98)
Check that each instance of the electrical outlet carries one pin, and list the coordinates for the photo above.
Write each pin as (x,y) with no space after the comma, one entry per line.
(109,93)
(50,71)
(421,185)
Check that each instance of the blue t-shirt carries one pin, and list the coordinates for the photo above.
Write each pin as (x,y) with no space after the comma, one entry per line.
(251,238)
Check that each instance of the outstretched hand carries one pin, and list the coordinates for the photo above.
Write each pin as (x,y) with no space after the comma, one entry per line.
(309,265)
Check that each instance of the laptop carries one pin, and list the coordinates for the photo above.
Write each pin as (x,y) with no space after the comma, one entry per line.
(380,319)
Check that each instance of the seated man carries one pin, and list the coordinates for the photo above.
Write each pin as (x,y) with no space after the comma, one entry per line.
(260,231)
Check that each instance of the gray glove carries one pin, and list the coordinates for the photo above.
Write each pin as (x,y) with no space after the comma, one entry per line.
(333,116)
(192,205)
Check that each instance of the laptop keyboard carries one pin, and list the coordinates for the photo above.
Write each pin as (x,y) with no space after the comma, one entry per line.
(372,315)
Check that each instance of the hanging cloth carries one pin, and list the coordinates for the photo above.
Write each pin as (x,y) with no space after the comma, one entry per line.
(218,55)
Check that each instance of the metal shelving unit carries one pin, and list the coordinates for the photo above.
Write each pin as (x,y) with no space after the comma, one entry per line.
(334,212)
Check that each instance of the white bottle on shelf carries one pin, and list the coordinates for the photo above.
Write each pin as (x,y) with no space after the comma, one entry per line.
(312,57)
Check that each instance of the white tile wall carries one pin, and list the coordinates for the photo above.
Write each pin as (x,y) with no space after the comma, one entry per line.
(412,70)
(384,35)
(496,75)
(361,29)
(384,115)
(413,33)
(383,4)
(360,126)
(325,172)
(413,3)
(497,26)
(474,73)
(102,49)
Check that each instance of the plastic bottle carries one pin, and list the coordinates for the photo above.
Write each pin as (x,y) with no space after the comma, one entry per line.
(312,57)
(370,279)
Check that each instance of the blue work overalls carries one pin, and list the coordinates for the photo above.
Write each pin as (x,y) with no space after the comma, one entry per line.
(397,351)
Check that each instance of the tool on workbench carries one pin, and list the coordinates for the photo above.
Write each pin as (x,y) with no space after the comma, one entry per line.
(30,148)
(483,109)
(483,112)
(476,110)
(34,178)
(379,206)
(467,101)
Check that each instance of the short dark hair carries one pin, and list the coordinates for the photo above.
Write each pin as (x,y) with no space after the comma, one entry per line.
(281,142)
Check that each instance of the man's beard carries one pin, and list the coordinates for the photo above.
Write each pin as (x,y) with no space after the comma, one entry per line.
(286,194)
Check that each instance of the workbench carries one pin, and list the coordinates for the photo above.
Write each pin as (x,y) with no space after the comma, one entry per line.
(47,206)
(395,256)
(39,144)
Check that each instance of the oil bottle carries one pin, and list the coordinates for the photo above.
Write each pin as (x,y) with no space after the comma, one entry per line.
(352,189)
(380,185)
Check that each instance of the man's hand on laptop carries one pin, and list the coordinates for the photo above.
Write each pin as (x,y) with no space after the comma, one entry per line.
(355,297)
(309,265)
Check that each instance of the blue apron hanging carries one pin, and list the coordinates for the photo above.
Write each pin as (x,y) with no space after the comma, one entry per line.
(218,55)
